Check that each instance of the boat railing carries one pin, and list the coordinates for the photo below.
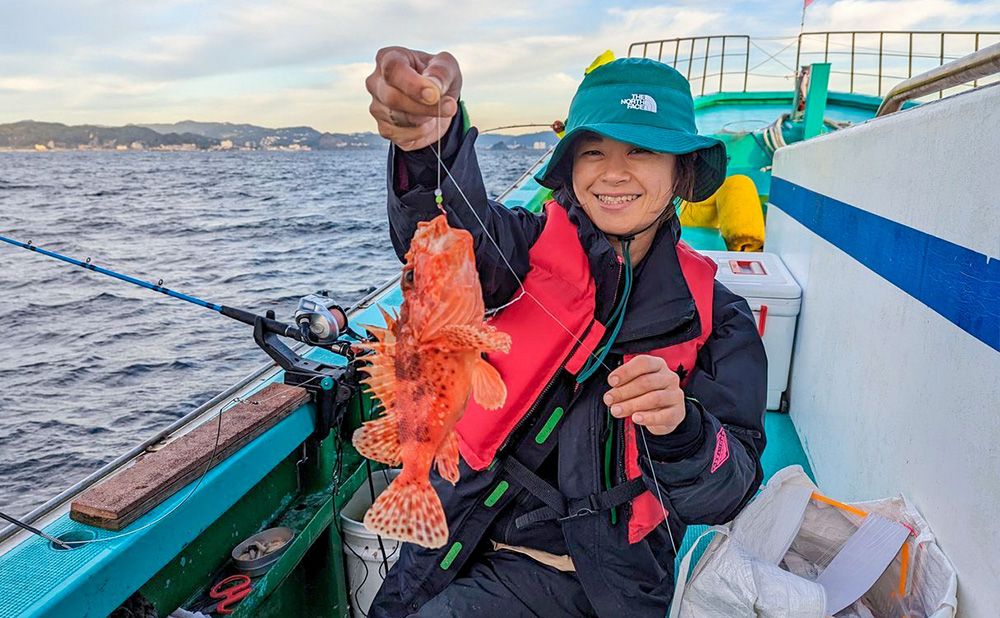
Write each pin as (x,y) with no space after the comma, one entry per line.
(869,62)
(975,66)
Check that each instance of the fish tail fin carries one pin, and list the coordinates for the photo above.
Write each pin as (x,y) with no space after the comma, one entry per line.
(488,388)
(479,337)
(379,440)
(446,458)
(409,510)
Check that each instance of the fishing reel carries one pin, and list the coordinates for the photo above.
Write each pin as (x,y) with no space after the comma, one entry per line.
(320,319)
(332,386)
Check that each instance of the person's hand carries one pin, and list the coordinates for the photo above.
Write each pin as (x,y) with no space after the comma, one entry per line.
(406,87)
(647,390)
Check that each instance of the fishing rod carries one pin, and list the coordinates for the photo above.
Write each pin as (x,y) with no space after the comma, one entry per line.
(318,321)
(34,530)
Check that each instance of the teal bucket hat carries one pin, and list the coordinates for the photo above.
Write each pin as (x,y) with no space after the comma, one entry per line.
(645,103)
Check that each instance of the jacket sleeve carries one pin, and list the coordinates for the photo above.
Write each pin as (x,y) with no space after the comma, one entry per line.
(709,467)
(501,236)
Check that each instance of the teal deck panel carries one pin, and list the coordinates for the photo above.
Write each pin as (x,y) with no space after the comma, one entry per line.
(92,580)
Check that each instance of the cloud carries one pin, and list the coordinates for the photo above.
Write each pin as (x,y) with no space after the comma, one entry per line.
(902,15)
(305,61)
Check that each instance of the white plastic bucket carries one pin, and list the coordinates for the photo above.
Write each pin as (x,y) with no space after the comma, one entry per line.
(362,554)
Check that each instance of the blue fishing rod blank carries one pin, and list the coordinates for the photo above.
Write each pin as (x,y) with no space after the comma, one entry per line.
(270,325)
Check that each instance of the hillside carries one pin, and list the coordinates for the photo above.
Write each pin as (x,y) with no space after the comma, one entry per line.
(28,133)
(253,136)
(193,135)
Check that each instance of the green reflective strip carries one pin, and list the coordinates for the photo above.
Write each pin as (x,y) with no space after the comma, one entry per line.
(546,430)
(500,489)
(493,464)
(451,555)
(466,121)
(608,445)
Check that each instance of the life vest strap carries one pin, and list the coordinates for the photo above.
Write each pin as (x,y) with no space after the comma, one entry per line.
(560,508)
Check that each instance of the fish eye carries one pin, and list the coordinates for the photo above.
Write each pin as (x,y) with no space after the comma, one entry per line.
(408,277)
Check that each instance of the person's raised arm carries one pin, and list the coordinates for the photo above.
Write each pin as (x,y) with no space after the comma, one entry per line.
(415,103)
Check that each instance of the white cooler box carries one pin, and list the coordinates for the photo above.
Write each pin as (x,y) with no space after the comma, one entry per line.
(774,297)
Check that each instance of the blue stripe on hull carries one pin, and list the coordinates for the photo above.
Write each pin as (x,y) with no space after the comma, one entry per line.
(956,282)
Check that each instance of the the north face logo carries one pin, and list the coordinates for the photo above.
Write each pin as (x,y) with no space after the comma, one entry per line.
(721,450)
(640,101)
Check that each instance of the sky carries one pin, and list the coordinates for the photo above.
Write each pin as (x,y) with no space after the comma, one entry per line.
(304,62)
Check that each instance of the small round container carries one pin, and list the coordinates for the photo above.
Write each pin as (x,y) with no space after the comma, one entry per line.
(259,565)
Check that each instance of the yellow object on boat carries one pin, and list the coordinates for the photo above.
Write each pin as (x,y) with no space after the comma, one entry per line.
(734,210)
(604,58)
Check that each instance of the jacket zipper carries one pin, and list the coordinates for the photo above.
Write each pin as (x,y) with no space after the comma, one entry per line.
(616,427)
(542,395)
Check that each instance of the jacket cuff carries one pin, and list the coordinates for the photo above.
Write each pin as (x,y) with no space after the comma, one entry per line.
(418,168)
(684,441)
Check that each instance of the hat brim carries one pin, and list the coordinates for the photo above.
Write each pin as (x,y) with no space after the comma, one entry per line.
(710,166)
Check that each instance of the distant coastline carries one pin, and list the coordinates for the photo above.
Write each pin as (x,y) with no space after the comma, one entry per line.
(190,136)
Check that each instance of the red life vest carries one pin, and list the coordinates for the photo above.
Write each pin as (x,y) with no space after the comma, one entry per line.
(554,328)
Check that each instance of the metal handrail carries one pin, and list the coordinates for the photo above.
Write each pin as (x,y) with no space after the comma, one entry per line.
(741,40)
(881,58)
(967,68)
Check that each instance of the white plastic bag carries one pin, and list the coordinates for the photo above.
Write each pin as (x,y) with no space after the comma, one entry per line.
(764,562)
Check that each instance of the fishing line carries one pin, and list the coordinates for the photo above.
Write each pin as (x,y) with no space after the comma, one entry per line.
(517,126)
(641,429)
(371,492)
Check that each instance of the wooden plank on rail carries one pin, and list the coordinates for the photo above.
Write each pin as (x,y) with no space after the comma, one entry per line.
(129,494)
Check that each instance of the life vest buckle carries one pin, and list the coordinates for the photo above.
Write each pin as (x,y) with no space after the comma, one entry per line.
(582,508)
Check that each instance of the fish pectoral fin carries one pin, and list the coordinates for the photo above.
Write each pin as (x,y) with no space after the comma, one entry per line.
(488,388)
(379,440)
(446,458)
(478,337)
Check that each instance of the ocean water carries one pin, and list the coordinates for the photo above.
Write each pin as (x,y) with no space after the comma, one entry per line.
(89,365)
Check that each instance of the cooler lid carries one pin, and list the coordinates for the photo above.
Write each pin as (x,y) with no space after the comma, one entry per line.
(755,275)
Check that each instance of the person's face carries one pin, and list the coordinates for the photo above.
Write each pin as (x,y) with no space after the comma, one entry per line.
(621,187)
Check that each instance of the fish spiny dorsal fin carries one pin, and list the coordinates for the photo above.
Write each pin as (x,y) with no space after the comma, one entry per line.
(382,370)
(382,374)
(391,319)
(488,388)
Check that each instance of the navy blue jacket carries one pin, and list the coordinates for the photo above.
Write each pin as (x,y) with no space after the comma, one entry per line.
(726,389)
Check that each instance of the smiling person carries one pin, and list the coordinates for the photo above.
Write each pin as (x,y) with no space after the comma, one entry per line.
(640,412)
